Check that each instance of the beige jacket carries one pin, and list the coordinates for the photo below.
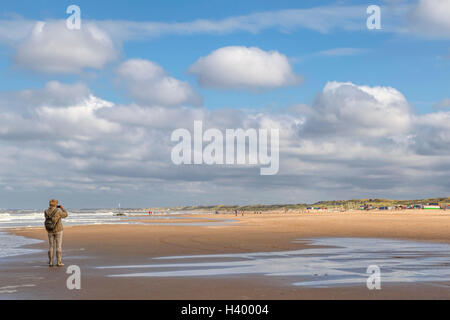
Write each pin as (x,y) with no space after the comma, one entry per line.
(59,215)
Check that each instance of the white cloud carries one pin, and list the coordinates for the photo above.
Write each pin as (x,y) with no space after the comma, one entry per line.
(432,133)
(425,17)
(78,120)
(341,52)
(443,104)
(431,17)
(57,111)
(14,30)
(241,67)
(348,109)
(149,84)
(53,48)
(54,93)
(354,141)
(155,117)
(322,19)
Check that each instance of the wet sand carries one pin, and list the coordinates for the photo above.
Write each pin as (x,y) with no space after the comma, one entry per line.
(106,245)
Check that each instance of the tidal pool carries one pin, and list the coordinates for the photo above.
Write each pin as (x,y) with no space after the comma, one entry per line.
(328,262)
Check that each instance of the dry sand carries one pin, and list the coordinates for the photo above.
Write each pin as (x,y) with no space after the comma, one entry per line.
(103,245)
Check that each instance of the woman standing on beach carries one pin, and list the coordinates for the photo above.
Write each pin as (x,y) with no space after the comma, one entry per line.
(53,224)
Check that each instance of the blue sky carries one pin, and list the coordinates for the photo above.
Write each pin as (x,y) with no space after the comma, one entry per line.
(411,54)
(405,62)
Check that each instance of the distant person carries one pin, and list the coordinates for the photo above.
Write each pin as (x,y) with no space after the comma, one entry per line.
(53,224)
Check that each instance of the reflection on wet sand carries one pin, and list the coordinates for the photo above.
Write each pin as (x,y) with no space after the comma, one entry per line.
(336,262)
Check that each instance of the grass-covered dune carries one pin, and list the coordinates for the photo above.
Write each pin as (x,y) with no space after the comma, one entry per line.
(331,204)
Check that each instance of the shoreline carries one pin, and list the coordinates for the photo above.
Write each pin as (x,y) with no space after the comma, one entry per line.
(91,246)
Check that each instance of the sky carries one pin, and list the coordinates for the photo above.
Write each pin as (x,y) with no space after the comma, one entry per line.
(86,115)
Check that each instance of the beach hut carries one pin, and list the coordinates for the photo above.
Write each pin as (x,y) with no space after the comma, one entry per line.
(433,206)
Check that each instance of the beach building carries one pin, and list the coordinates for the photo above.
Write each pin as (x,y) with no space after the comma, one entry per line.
(432,206)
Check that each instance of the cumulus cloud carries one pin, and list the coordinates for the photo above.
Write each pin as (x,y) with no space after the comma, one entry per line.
(241,67)
(149,83)
(78,120)
(366,140)
(53,48)
(15,29)
(54,93)
(155,117)
(369,144)
(349,109)
(431,17)
(58,111)
(432,133)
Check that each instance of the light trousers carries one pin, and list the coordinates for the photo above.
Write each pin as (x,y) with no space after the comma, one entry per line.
(55,241)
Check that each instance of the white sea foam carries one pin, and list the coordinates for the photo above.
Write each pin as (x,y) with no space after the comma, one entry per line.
(12,245)
(17,218)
